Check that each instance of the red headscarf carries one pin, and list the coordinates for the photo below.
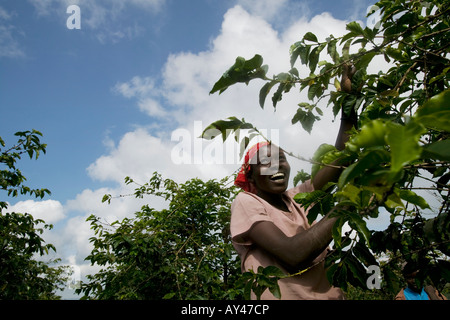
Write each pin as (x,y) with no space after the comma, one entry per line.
(241,179)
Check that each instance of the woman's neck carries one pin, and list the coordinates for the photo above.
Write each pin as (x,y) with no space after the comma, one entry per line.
(275,199)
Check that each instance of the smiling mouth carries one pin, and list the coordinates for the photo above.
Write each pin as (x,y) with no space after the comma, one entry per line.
(277,176)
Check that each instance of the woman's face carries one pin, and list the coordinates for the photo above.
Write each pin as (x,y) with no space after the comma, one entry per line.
(270,173)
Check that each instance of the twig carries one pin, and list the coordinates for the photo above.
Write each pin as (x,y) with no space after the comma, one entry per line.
(429,188)
(397,87)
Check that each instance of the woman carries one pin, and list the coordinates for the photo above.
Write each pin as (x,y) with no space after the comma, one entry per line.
(269,228)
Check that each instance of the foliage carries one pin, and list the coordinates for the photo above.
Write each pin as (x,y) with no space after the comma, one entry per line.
(21,275)
(182,252)
(402,141)
(263,279)
(11,178)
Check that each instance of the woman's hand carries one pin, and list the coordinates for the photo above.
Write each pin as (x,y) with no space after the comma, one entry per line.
(327,174)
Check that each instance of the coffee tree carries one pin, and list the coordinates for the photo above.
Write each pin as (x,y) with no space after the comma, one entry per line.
(22,275)
(401,143)
(181,252)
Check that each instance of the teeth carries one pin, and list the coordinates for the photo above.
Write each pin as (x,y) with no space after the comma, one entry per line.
(277,175)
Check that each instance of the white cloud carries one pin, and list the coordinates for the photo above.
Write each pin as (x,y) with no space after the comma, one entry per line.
(113,35)
(137,155)
(136,87)
(153,108)
(280,13)
(4,15)
(146,92)
(266,9)
(51,211)
(148,4)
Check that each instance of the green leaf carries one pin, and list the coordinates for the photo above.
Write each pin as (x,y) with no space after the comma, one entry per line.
(318,155)
(242,71)
(294,71)
(404,143)
(310,37)
(225,127)
(439,150)
(364,61)
(294,52)
(253,63)
(265,91)
(389,93)
(313,59)
(278,95)
(304,52)
(394,200)
(314,90)
(363,254)
(314,56)
(331,271)
(264,281)
(248,288)
(313,212)
(273,271)
(436,229)
(391,280)
(348,36)
(413,198)
(357,269)
(346,50)
(351,192)
(336,231)
(275,290)
(371,134)
(306,199)
(169,295)
(337,85)
(395,53)
(331,50)
(306,119)
(440,76)
(301,176)
(339,276)
(357,223)
(106,197)
(244,144)
(355,27)
(435,113)
(367,161)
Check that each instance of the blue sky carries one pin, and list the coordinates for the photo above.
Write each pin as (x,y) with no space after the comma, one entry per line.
(109,97)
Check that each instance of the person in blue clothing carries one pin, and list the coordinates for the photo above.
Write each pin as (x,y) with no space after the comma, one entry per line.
(414,290)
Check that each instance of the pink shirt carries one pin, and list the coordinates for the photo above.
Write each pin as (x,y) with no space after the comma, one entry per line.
(248,209)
